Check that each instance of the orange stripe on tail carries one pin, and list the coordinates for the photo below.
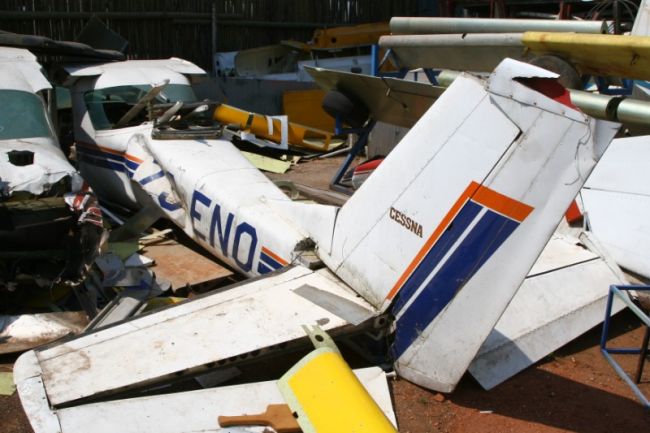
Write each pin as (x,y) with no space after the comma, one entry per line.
(502,204)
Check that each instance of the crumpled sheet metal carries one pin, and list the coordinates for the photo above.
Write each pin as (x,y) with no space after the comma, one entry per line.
(48,168)
(23,332)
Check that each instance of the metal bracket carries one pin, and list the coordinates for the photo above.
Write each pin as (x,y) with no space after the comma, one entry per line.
(364,133)
(320,338)
(621,293)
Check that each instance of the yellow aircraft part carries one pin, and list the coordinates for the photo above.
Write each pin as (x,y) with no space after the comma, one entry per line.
(606,55)
(298,135)
(159,302)
(304,108)
(328,397)
(349,36)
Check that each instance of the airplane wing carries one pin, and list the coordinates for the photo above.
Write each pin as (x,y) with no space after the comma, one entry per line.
(469,44)
(604,55)
(43,45)
(255,319)
(563,296)
(476,52)
(598,54)
(189,411)
(616,200)
(389,100)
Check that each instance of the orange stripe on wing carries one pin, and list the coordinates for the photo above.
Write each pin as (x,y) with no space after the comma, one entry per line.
(502,204)
(469,191)
(274,256)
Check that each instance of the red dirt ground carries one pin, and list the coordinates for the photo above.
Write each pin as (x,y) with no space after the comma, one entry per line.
(575,390)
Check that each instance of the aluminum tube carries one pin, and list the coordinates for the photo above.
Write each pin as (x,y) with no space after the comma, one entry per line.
(452,40)
(593,104)
(473,52)
(615,108)
(596,105)
(633,111)
(421,25)
(607,107)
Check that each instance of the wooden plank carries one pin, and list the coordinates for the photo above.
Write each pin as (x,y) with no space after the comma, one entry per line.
(181,265)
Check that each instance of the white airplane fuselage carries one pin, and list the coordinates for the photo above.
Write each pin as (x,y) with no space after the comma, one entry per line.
(205,186)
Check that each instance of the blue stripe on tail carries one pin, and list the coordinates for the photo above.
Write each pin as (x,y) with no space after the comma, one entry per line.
(475,249)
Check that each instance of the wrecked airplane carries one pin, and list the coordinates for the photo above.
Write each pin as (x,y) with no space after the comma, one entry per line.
(487,173)
(50,223)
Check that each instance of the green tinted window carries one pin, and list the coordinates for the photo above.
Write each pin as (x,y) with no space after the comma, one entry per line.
(22,115)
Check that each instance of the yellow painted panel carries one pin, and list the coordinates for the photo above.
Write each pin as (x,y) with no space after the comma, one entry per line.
(270,59)
(304,107)
(607,55)
(349,36)
(329,398)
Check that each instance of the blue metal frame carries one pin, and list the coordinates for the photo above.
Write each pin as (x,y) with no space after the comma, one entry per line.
(607,352)
(375,65)
(603,87)
(364,133)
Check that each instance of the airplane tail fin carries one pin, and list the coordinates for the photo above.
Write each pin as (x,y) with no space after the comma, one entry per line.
(448,226)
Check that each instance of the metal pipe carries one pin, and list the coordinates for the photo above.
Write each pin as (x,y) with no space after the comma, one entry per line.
(623,297)
(623,375)
(607,107)
(633,111)
(606,352)
(597,105)
(421,25)
(608,314)
(456,40)
(643,353)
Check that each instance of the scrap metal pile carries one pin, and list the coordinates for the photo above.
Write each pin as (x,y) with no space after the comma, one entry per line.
(447,258)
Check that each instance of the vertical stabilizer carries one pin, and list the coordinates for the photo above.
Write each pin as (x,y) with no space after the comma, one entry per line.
(448,226)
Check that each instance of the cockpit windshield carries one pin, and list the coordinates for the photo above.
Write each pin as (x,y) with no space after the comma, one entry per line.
(107,106)
(22,115)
